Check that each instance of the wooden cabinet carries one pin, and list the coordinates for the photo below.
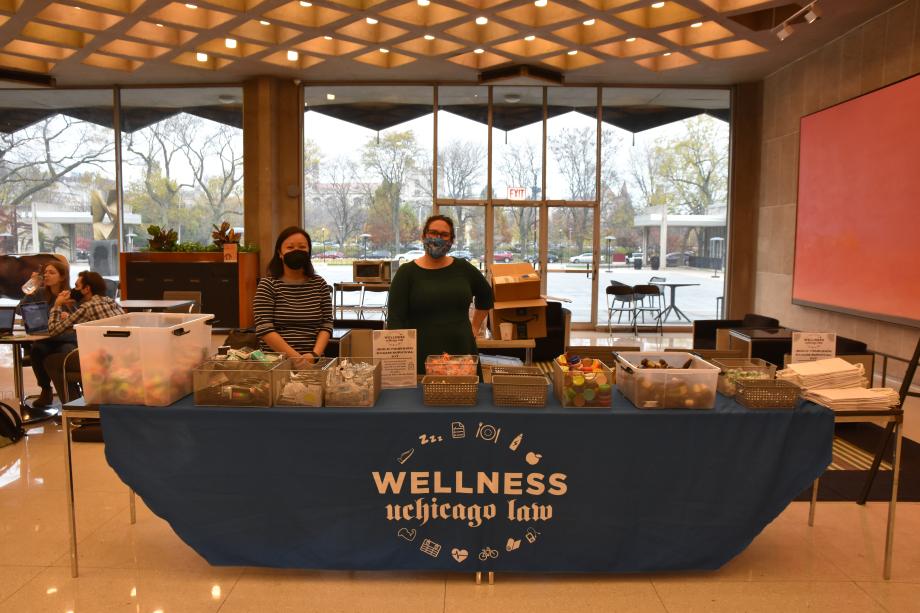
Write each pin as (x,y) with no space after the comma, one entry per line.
(226,289)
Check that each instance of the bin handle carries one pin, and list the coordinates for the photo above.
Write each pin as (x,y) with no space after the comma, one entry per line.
(181,332)
(117,333)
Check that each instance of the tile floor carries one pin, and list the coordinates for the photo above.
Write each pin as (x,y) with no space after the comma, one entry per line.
(835,566)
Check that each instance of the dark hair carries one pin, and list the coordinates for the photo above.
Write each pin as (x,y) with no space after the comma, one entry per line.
(445,219)
(94,281)
(63,270)
(276,265)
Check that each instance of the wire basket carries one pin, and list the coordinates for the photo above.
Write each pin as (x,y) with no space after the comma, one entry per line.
(767,394)
(514,371)
(519,390)
(450,390)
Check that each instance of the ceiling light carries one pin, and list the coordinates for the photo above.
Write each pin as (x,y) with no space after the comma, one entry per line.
(479,50)
(201,57)
(666,54)
(191,6)
(264,23)
(512,98)
(540,3)
(327,38)
(573,52)
(159,25)
(588,22)
(429,37)
(481,21)
(698,24)
(813,14)
(292,55)
(631,39)
(306,5)
(371,21)
(230,43)
(423,2)
(657,5)
(784,32)
(384,50)
(226,99)
(330,96)
(530,38)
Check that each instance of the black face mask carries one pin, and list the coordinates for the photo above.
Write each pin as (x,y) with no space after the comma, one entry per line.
(296,259)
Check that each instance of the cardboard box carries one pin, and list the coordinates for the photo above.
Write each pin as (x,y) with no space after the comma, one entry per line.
(357,343)
(514,282)
(528,317)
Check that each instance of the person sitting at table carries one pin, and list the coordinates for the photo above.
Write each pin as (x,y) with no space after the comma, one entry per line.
(87,302)
(292,305)
(433,294)
(50,280)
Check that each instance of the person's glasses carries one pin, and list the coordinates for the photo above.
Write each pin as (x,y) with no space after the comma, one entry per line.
(436,234)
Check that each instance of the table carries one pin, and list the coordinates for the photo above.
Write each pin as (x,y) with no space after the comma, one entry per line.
(527,344)
(672,303)
(154,306)
(29,414)
(616,490)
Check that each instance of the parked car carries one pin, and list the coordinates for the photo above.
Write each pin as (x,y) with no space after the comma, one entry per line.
(408,256)
(632,257)
(551,258)
(461,253)
(329,255)
(503,256)
(583,258)
(679,259)
(380,254)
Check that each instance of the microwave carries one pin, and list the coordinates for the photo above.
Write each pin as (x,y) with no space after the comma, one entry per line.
(374,271)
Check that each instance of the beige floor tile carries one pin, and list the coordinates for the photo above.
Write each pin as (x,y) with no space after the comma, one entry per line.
(333,592)
(552,593)
(14,577)
(894,596)
(105,590)
(766,597)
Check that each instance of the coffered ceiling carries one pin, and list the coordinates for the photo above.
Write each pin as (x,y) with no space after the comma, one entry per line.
(96,42)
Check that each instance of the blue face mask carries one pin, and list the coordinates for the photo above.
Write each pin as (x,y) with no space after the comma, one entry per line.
(436,247)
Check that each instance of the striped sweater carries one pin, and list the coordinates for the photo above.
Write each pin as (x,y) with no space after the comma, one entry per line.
(296,311)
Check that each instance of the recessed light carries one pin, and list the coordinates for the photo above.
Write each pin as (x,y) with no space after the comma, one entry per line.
(423,2)
(479,50)
(588,22)
(631,39)
(226,99)
(429,37)
(572,52)
(512,98)
(657,5)
(230,43)
(384,50)
(371,21)
(530,38)
(306,5)
(264,23)
(481,21)
(666,54)
(540,3)
(292,55)
(159,25)
(201,57)
(330,96)
(698,24)
(327,38)
(191,6)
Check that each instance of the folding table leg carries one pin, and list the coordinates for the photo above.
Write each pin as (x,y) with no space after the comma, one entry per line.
(814,502)
(893,503)
(72,521)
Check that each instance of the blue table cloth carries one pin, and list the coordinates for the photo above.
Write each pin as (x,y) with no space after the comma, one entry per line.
(405,486)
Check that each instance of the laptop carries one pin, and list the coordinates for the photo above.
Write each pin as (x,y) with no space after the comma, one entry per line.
(7,317)
(35,318)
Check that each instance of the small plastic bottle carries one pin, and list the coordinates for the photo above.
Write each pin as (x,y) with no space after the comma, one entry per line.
(35,282)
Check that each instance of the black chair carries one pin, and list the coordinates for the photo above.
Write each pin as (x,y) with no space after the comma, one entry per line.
(659,298)
(653,307)
(621,299)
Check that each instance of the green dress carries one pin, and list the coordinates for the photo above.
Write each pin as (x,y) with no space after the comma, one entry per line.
(437,303)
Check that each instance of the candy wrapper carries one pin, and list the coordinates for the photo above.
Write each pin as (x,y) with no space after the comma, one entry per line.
(353,382)
(582,381)
(301,381)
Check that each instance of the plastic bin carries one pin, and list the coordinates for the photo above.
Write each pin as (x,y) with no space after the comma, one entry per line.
(359,389)
(674,387)
(235,383)
(736,370)
(581,388)
(298,382)
(444,364)
(141,358)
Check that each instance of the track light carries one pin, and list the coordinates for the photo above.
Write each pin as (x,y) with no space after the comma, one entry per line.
(784,32)
(810,13)
(813,14)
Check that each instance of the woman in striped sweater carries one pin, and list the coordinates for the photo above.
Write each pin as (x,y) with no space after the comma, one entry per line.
(292,305)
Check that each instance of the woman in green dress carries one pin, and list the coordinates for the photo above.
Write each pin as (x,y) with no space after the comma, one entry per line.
(433,294)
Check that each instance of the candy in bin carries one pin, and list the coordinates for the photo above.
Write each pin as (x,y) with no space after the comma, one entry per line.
(354,383)
(451,365)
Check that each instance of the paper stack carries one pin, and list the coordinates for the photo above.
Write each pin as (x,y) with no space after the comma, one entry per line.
(824,374)
(854,398)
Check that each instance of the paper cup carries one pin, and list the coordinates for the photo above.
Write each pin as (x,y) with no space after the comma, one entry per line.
(507,330)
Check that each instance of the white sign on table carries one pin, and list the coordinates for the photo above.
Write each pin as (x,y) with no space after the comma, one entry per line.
(396,351)
(812,346)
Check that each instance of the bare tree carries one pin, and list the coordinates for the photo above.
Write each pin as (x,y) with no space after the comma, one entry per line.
(521,167)
(220,150)
(391,156)
(459,171)
(341,198)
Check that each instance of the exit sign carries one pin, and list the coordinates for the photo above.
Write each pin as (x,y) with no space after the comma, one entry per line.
(517,193)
